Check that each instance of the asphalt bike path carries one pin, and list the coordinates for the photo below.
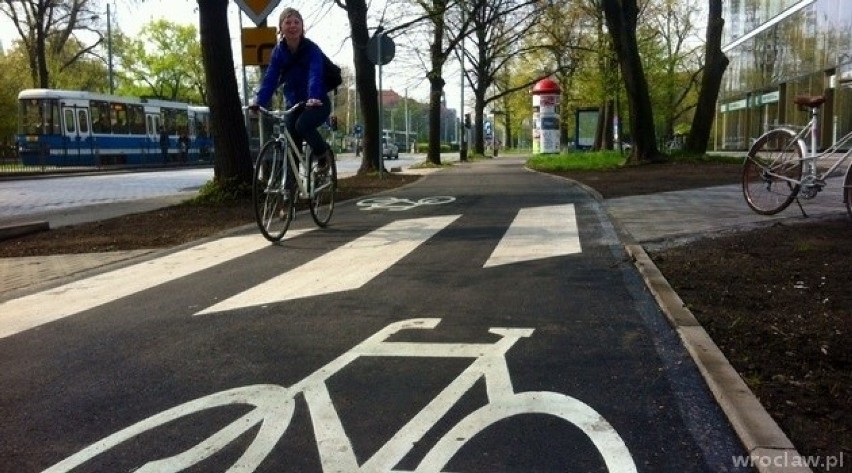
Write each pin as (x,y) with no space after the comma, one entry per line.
(486,318)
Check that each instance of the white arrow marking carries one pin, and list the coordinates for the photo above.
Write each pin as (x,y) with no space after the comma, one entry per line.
(346,268)
(537,233)
(31,311)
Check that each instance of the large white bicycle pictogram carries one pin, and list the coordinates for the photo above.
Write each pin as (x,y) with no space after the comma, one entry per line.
(274,407)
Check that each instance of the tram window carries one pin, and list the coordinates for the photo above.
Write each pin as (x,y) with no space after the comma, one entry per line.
(53,123)
(100,116)
(118,118)
(83,119)
(70,125)
(29,116)
(201,124)
(39,116)
(136,119)
(167,120)
(182,122)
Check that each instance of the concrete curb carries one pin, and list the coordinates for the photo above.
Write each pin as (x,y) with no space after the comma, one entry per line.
(765,442)
(768,446)
(14,230)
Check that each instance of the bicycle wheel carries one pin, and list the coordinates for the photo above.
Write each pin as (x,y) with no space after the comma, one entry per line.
(273,207)
(323,186)
(772,172)
(847,191)
(611,447)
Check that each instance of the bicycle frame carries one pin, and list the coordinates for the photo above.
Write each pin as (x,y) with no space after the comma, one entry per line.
(811,156)
(291,152)
(275,406)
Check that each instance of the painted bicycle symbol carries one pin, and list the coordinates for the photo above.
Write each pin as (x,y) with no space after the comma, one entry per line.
(396,204)
(274,407)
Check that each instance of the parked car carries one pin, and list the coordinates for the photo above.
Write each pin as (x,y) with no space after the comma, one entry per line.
(390,150)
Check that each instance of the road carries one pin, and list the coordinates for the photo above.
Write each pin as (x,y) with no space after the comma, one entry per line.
(35,197)
(486,318)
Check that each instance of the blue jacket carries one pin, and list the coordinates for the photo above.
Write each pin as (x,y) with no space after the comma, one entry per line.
(302,74)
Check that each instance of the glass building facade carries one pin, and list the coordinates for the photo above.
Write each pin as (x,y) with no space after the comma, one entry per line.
(780,49)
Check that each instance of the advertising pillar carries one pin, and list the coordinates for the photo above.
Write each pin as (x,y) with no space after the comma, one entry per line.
(546,96)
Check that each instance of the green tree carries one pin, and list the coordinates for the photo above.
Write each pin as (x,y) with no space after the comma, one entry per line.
(45,29)
(164,61)
(14,74)
(671,55)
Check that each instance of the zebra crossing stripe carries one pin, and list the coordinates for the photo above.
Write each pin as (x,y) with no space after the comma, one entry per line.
(346,268)
(537,233)
(30,311)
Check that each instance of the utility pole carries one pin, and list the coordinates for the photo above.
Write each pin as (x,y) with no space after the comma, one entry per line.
(109,51)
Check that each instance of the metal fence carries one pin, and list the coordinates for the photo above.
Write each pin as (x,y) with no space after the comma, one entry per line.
(11,165)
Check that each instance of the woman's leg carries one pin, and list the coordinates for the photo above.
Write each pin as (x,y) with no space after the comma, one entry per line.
(307,123)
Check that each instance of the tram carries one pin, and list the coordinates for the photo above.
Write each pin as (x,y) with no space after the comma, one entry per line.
(78,128)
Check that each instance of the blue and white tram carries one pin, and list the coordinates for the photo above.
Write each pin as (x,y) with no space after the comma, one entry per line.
(77,128)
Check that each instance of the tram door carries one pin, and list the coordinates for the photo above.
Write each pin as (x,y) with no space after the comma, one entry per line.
(78,134)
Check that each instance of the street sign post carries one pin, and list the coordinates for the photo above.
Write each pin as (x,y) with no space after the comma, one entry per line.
(257,10)
(380,51)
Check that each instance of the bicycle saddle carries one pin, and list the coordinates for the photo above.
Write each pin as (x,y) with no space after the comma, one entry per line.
(811,101)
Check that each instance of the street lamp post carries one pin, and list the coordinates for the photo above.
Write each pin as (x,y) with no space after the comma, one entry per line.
(109,50)
(462,130)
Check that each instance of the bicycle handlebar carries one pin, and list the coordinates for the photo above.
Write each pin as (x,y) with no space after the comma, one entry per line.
(278,114)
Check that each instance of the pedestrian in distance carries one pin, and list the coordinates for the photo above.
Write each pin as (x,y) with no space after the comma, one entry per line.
(164,144)
(183,147)
(298,65)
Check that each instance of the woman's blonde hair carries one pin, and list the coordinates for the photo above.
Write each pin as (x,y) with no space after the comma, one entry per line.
(289,11)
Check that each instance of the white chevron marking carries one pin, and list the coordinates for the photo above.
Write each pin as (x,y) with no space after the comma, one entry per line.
(537,233)
(346,268)
(30,311)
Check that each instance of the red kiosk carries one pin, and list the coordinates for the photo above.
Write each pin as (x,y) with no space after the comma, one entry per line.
(546,97)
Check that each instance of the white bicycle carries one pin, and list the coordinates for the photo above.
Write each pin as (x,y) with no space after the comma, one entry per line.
(274,406)
(781,165)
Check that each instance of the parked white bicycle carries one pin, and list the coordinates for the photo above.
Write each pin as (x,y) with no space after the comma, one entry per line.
(781,166)
(275,405)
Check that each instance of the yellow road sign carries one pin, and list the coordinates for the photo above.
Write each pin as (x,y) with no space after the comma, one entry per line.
(257,10)
(257,45)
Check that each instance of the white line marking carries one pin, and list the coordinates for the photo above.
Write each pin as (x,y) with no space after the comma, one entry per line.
(33,310)
(346,268)
(537,233)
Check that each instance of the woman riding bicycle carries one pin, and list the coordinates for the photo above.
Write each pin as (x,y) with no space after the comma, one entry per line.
(297,64)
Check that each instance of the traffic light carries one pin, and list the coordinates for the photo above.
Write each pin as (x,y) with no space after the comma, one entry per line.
(332,121)
(467,120)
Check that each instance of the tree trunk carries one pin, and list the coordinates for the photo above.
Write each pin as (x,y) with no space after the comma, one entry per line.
(715,63)
(436,88)
(41,48)
(436,84)
(365,83)
(232,163)
(621,16)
